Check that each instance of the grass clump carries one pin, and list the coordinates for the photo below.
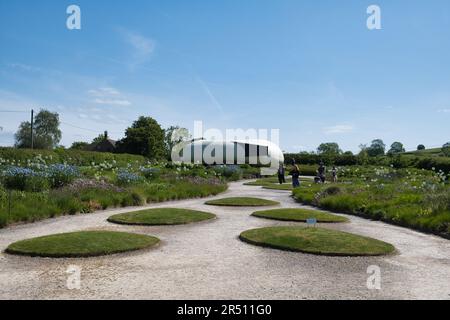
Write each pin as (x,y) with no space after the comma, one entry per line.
(316,241)
(242,202)
(161,216)
(299,215)
(82,244)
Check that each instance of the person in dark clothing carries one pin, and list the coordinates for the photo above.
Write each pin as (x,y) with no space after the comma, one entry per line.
(281,178)
(321,172)
(295,173)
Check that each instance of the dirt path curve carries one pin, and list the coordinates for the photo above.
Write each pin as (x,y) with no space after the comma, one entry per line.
(208,261)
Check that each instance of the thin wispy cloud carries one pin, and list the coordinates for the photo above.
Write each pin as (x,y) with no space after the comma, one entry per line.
(447,110)
(24,67)
(114,102)
(104,91)
(209,93)
(338,129)
(142,47)
(108,96)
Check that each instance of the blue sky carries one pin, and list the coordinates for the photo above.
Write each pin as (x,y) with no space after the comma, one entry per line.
(309,68)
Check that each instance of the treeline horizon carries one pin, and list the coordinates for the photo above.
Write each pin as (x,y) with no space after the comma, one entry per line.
(147,138)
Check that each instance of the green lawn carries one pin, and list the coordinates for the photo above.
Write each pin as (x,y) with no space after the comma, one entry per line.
(273,180)
(426,152)
(242,202)
(82,244)
(264,181)
(299,215)
(316,241)
(285,187)
(161,216)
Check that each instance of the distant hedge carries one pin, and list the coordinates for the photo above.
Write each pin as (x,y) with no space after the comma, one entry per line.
(314,159)
(428,163)
(399,161)
(72,157)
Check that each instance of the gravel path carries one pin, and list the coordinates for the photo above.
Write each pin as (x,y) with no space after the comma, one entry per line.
(207,261)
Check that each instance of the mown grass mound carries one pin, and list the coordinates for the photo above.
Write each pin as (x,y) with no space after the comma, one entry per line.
(316,241)
(284,187)
(299,215)
(264,181)
(82,244)
(274,180)
(161,216)
(242,202)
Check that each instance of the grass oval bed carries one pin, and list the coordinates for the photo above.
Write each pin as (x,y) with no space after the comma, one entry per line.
(317,241)
(82,244)
(283,187)
(242,202)
(161,216)
(273,181)
(299,215)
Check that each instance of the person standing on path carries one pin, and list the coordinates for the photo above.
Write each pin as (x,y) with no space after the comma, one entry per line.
(322,171)
(334,174)
(281,172)
(295,173)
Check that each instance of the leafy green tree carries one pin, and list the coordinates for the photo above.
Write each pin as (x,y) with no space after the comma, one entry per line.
(173,136)
(79,145)
(101,137)
(329,148)
(144,137)
(363,155)
(396,148)
(46,131)
(446,149)
(376,148)
(420,147)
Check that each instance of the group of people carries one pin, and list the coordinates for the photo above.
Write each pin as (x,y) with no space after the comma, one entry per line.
(295,173)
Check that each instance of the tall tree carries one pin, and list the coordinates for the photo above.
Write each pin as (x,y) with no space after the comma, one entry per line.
(173,136)
(376,148)
(144,137)
(330,148)
(45,128)
(79,145)
(446,149)
(101,137)
(363,155)
(396,147)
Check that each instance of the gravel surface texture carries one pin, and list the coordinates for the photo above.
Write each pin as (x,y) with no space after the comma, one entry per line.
(206,260)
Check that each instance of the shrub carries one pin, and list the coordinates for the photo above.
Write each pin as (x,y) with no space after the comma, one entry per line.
(71,157)
(434,163)
(333,190)
(61,174)
(126,178)
(67,203)
(133,199)
(250,172)
(150,173)
(230,172)
(24,179)
(446,149)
